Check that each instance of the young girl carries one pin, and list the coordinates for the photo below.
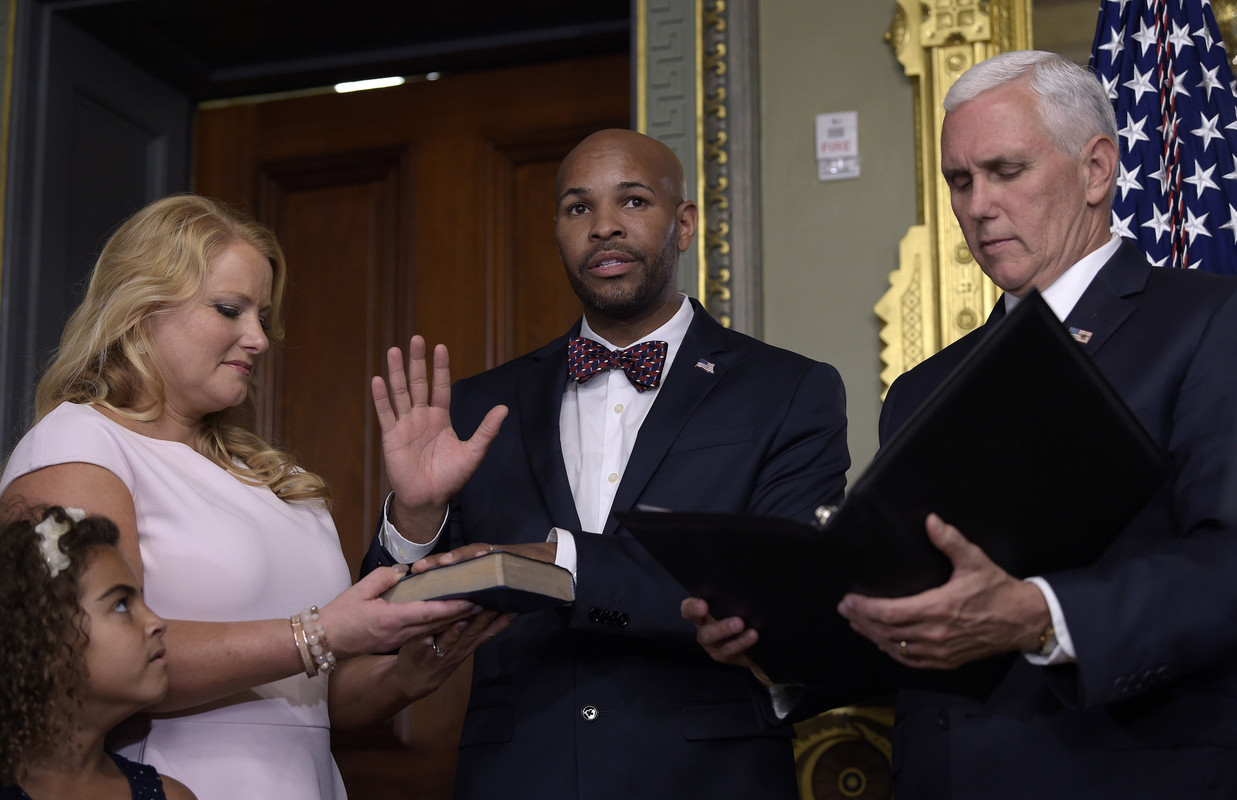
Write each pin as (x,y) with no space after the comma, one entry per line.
(83,652)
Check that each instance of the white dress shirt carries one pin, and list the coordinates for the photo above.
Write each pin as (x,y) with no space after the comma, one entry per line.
(598,425)
(1061,297)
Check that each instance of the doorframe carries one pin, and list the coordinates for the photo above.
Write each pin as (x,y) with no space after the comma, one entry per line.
(52,188)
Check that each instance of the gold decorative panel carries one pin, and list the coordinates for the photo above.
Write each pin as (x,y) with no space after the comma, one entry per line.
(1226,18)
(845,754)
(697,91)
(938,293)
(714,166)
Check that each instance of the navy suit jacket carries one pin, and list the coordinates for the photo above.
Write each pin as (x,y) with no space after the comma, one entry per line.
(1150,708)
(612,697)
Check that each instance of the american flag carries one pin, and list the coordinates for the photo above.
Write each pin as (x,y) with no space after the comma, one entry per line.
(1165,69)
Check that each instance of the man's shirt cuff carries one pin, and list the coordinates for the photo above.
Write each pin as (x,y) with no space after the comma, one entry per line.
(565,553)
(402,550)
(1063,653)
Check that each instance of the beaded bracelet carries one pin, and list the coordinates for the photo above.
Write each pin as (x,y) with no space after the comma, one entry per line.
(298,635)
(315,637)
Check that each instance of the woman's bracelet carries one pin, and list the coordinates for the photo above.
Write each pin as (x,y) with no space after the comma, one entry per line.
(315,638)
(298,635)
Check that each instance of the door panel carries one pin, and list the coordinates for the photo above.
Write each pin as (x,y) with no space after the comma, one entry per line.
(342,214)
(537,289)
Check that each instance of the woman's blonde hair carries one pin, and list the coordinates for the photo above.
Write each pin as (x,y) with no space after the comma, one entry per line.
(160,257)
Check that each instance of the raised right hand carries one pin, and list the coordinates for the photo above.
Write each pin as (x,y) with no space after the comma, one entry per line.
(425,461)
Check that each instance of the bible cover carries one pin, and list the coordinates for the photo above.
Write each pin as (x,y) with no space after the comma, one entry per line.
(498,580)
(1025,448)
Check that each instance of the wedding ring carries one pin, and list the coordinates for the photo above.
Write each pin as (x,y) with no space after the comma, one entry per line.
(438,651)
(901,644)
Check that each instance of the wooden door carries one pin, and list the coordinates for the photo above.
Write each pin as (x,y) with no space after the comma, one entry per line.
(425,208)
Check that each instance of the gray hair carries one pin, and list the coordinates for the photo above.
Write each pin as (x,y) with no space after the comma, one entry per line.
(1072,103)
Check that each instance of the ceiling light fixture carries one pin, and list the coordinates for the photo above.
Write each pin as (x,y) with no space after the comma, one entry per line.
(375,83)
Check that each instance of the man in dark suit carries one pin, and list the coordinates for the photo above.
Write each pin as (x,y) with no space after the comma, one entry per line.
(1127,686)
(610,697)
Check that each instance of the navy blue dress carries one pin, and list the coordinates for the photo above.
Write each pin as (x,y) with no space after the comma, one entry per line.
(144,782)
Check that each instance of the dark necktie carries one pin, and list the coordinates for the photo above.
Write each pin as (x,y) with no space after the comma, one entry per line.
(642,363)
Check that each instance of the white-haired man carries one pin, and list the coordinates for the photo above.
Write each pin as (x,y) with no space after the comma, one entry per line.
(1127,686)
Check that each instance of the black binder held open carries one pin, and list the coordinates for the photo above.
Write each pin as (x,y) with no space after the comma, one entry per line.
(1025,448)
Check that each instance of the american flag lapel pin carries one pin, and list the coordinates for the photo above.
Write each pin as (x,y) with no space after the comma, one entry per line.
(1080,335)
(705,365)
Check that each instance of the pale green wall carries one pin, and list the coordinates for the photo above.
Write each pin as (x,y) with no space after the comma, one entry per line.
(828,247)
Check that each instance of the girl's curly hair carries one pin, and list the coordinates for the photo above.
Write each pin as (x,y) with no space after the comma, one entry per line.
(43,677)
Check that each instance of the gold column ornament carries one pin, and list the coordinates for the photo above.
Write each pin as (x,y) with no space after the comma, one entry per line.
(938,293)
(713,193)
(693,60)
(1226,18)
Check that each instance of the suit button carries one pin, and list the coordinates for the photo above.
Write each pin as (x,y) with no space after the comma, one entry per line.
(594,615)
(623,619)
(1120,685)
(942,719)
(589,713)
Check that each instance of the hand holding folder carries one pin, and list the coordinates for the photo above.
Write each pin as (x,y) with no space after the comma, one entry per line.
(1025,448)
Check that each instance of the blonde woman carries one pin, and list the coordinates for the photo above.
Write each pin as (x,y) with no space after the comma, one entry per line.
(136,421)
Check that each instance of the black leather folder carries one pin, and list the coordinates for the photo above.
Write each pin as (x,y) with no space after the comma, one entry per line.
(1025,448)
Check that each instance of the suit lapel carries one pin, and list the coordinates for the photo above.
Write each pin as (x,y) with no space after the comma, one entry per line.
(541,399)
(1103,307)
(681,392)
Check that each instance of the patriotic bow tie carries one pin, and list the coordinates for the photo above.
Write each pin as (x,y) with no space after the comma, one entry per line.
(642,363)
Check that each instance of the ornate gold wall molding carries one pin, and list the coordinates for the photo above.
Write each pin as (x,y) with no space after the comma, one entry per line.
(938,293)
(845,753)
(714,191)
(696,91)
(1226,17)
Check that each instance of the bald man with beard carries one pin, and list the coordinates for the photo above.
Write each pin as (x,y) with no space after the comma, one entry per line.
(610,697)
